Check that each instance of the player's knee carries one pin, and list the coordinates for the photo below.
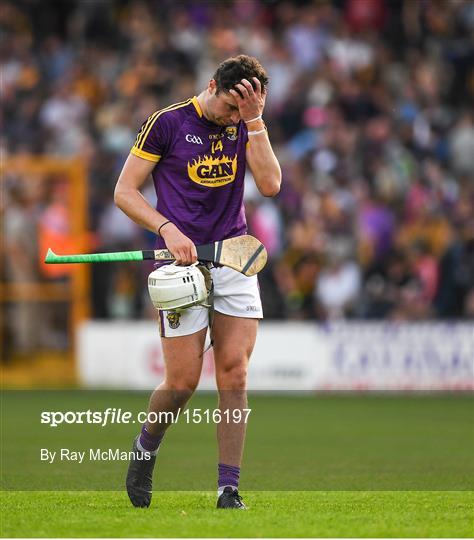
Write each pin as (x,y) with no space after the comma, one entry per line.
(181,390)
(232,377)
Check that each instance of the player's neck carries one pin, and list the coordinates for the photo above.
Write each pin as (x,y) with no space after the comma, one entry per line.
(203,104)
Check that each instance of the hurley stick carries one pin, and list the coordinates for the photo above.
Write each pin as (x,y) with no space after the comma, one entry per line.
(242,253)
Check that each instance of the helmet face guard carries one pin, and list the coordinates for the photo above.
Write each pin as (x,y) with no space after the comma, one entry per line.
(173,287)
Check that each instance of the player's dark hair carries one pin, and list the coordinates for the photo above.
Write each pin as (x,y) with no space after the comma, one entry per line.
(233,70)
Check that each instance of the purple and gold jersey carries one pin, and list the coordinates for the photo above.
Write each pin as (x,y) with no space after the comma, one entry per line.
(199,173)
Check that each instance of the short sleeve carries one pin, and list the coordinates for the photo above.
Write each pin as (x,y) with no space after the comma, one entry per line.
(153,138)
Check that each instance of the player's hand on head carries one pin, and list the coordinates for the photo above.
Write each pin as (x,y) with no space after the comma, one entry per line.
(250,98)
(182,248)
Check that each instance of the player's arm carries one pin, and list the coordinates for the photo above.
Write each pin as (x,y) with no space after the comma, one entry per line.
(260,156)
(128,198)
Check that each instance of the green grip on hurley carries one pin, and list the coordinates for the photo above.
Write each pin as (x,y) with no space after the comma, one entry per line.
(52,258)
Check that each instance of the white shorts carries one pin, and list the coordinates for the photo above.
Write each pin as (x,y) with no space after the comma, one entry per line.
(234,294)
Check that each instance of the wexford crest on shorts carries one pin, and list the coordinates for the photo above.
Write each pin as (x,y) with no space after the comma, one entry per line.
(173,319)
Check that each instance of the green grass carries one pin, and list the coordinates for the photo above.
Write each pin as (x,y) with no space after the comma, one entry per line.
(334,465)
(335,442)
(270,514)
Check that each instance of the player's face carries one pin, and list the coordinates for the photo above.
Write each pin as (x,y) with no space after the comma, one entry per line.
(222,108)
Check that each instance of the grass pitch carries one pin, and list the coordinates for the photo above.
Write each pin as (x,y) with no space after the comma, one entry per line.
(326,466)
(270,514)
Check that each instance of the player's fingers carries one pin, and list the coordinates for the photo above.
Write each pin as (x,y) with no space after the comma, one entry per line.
(184,255)
(243,90)
(237,96)
(187,259)
(187,254)
(248,86)
(259,89)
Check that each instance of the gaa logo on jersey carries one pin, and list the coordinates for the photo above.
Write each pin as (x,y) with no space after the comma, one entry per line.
(193,139)
(173,319)
(231,133)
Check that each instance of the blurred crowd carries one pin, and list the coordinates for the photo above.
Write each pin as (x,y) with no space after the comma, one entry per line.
(370,110)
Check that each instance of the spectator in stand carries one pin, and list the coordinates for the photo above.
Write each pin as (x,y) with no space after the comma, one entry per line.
(338,284)
(21,261)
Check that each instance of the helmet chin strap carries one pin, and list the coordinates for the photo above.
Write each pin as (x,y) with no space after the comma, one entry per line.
(209,301)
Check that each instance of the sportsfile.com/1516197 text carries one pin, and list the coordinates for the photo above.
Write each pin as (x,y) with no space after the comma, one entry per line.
(113,415)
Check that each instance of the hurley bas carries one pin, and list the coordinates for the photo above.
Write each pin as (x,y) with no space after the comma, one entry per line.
(94,454)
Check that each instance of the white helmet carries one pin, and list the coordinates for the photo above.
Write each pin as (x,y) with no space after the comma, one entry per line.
(173,287)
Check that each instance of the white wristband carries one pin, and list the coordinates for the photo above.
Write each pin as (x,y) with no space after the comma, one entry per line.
(256,132)
(259,117)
